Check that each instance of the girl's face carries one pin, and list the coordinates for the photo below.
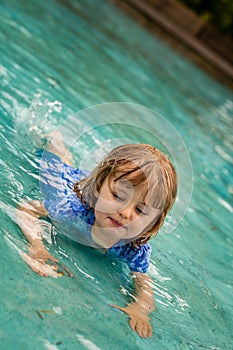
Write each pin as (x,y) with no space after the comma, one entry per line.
(121,212)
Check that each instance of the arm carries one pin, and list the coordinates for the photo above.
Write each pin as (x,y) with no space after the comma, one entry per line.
(56,146)
(143,304)
(144,299)
(28,219)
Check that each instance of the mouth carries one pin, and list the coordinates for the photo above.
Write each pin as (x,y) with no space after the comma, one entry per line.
(115,222)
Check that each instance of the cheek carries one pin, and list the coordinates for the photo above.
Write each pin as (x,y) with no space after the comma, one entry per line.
(105,206)
(139,224)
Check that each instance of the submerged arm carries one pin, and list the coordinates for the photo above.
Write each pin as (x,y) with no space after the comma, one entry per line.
(143,304)
(144,293)
(28,219)
(28,215)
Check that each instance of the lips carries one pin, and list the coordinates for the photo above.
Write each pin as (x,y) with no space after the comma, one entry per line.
(116,223)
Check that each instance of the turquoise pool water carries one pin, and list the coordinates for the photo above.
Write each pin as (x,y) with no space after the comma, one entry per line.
(57,58)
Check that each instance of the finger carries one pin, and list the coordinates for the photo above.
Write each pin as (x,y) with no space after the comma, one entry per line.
(66,270)
(139,328)
(144,329)
(132,323)
(51,271)
(53,266)
(118,307)
(150,332)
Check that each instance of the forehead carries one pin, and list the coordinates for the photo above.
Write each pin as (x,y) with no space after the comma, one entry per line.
(147,187)
(138,192)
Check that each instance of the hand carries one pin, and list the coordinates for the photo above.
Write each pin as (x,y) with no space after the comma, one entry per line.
(39,266)
(42,262)
(38,259)
(139,320)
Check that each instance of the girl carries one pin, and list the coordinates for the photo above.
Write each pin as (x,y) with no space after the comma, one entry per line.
(117,208)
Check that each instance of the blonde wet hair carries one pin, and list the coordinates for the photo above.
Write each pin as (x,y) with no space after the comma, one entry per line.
(142,165)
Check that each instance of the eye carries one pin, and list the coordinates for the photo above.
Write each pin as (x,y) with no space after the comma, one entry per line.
(140,210)
(117,197)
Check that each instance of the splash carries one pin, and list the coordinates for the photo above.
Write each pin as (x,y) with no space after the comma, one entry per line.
(40,114)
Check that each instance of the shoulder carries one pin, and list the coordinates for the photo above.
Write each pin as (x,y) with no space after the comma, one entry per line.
(137,258)
(52,165)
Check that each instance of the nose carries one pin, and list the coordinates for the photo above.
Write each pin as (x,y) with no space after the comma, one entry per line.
(126,212)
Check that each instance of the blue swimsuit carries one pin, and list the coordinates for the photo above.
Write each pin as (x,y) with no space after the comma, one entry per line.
(66,209)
